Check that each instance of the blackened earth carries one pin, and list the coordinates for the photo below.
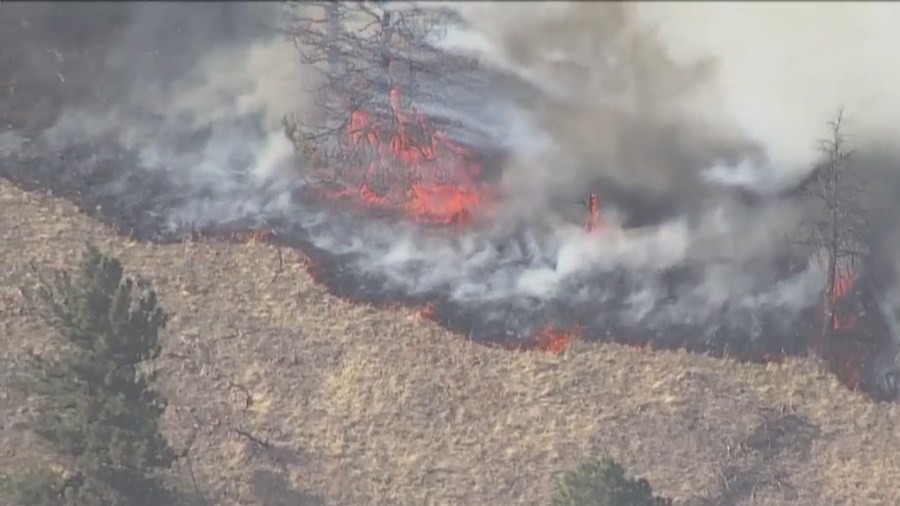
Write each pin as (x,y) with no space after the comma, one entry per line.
(108,184)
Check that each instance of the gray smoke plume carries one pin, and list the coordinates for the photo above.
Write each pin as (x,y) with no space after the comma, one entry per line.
(679,100)
(672,112)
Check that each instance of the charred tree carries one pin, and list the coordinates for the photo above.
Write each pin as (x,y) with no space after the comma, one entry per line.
(838,235)
(373,63)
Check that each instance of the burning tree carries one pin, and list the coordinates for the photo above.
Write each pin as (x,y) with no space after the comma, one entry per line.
(368,142)
(838,236)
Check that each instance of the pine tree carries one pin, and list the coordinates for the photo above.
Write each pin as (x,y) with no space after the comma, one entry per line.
(97,407)
(603,483)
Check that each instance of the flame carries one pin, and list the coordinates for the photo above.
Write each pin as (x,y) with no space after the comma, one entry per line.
(843,284)
(258,236)
(552,340)
(402,163)
(849,367)
(595,221)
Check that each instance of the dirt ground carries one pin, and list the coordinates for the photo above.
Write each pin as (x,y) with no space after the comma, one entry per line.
(360,406)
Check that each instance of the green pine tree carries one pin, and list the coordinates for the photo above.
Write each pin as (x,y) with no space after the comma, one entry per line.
(97,409)
(603,483)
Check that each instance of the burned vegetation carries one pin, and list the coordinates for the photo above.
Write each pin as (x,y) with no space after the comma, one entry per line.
(385,144)
(376,144)
(371,142)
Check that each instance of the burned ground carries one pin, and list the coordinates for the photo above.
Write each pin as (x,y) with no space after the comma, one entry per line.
(366,406)
(111,184)
(107,184)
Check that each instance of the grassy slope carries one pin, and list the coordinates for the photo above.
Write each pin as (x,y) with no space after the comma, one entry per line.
(369,407)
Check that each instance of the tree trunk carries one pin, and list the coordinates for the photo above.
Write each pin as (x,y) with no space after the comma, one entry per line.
(832,269)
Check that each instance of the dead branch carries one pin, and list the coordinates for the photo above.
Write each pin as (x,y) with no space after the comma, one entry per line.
(218,375)
(264,443)
(839,238)
(361,51)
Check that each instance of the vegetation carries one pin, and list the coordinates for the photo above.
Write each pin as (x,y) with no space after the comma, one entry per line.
(838,235)
(96,407)
(603,483)
(359,53)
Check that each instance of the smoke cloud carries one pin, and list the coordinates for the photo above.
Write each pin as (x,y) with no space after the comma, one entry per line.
(673,112)
(654,93)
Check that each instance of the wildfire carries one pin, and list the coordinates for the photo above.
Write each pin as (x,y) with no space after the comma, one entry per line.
(258,236)
(842,286)
(595,221)
(552,340)
(404,164)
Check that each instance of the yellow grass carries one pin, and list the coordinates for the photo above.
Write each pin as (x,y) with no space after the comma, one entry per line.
(361,406)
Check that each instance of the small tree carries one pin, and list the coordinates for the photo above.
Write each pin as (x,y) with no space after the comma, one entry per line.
(364,54)
(838,235)
(96,408)
(603,483)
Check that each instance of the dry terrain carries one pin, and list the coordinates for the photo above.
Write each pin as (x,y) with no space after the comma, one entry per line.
(360,406)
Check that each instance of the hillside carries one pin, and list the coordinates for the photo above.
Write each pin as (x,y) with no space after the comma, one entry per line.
(371,407)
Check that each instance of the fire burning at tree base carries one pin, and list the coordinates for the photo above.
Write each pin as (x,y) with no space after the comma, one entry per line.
(431,181)
(520,205)
(387,156)
(848,350)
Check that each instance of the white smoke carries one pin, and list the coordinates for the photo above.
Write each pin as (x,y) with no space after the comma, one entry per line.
(766,73)
(215,127)
(669,100)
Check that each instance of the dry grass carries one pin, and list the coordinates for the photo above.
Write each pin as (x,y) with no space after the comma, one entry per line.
(368,407)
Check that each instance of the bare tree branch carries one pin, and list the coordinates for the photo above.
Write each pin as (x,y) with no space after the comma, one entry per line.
(363,52)
(839,238)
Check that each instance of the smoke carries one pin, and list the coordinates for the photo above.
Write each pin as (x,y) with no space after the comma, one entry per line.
(656,94)
(662,108)
(196,91)
(678,102)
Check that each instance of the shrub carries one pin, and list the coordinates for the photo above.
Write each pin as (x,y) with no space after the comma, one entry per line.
(603,483)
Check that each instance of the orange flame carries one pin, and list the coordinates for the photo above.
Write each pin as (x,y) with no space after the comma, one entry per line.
(553,340)
(843,284)
(402,163)
(595,221)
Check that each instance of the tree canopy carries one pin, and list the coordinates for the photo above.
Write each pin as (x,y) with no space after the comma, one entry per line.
(96,405)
